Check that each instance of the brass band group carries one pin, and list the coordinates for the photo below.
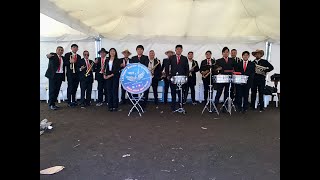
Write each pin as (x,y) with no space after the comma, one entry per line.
(107,68)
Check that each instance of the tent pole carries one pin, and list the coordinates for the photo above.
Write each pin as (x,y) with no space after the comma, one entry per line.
(268,55)
(97,46)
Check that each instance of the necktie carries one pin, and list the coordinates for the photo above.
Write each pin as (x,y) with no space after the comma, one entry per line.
(59,63)
(178,62)
(245,66)
(75,58)
(208,61)
(226,59)
(139,58)
(87,64)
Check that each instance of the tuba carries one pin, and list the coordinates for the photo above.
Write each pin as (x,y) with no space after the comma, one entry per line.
(261,69)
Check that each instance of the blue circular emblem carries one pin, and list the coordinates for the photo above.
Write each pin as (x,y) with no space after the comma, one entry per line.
(136,78)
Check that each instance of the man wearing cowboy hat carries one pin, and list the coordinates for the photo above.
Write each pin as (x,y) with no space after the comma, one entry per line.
(125,60)
(166,77)
(99,71)
(259,80)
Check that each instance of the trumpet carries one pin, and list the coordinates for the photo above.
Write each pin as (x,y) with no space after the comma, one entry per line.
(89,69)
(72,64)
(190,72)
(261,69)
(154,67)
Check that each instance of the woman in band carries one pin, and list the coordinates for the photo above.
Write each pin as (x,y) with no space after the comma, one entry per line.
(112,75)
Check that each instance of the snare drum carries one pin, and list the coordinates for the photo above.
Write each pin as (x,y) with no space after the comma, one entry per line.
(179,79)
(222,78)
(239,79)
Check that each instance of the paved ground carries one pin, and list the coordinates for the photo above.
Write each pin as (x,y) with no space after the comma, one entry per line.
(90,144)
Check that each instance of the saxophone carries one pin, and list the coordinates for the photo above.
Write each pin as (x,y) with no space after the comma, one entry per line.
(190,72)
(154,67)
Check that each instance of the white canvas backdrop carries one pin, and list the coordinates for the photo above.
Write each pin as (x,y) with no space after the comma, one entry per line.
(47,47)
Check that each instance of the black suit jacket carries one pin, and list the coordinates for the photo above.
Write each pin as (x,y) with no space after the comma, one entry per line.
(97,69)
(121,61)
(196,69)
(53,66)
(82,62)
(182,68)
(67,57)
(143,60)
(204,67)
(227,68)
(250,71)
(265,63)
(115,68)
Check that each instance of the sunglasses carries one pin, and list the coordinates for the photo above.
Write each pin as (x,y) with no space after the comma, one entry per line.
(86,54)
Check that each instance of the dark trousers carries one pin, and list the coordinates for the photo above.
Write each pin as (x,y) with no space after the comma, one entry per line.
(102,90)
(260,85)
(233,91)
(86,90)
(242,92)
(220,88)
(123,94)
(166,89)
(54,88)
(190,85)
(154,85)
(174,92)
(206,83)
(73,83)
(113,89)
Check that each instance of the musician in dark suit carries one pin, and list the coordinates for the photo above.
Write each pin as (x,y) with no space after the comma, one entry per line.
(193,68)
(259,80)
(227,64)
(85,66)
(99,70)
(140,58)
(165,77)
(55,74)
(247,68)
(205,66)
(125,60)
(154,66)
(112,75)
(179,66)
(237,60)
(72,75)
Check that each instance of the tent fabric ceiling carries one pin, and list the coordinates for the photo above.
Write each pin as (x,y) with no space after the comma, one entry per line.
(220,21)
(52,30)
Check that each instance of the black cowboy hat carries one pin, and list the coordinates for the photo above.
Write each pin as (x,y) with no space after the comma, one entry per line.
(103,50)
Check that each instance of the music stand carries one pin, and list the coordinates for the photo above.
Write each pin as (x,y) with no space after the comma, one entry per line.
(210,100)
(135,102)
(229,101)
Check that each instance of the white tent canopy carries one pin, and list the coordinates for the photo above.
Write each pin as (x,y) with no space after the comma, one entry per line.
(218,21)
(199,25)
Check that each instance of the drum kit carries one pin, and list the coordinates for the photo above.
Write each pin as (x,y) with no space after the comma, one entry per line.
(179,80)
